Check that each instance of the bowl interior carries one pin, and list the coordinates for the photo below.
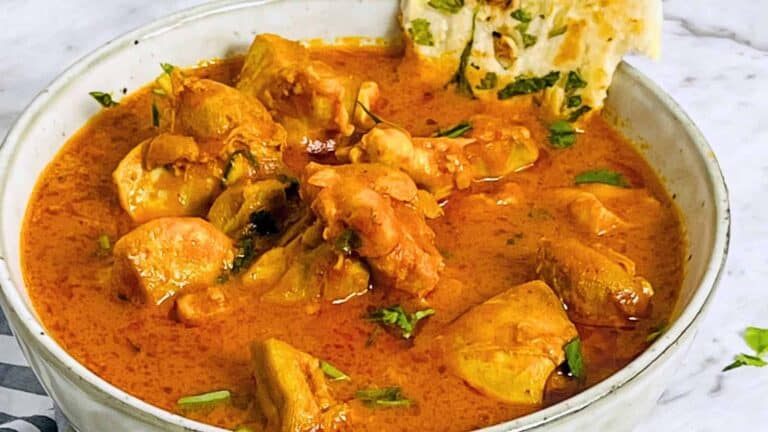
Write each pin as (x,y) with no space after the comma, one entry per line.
(647,116)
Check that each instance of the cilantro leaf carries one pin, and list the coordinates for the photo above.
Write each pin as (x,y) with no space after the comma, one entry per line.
(204,400)
(574,81)
(745,360)
(455,131)
(522,15)
(574,359)
(420,32)
(488,82)
(396,316)
(527,85)
(447,6)
(561,134)
(757,339)
(604,176)
(333,372)
(105,99)
(383,397)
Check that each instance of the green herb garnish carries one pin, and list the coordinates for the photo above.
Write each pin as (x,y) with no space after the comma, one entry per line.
(396,316)
(657,331)
(745,360)
(574,81)
(376,119)
(522,15)
(447,6)
(557,31)
(527,85)
(455,131)
(105,99)
(348,241)
(579,112)
(333,372)
(420,32)
(561,134)
(463,86)
(573,101)
(231,164)
(574,359)
(604,176)
(529,40)
(204,400)
(167,67)
(757,339)
(385,397)
(104,243)
(244,255)
(488,82)
(155,115)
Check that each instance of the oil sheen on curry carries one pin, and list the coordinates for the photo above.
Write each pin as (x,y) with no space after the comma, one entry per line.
(311,239)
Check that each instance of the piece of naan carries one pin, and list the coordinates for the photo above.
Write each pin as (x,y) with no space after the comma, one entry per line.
(565,51)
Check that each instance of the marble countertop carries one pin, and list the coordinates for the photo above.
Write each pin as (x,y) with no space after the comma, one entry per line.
(715,64)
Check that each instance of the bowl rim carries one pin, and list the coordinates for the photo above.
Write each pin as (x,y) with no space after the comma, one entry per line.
(13,304)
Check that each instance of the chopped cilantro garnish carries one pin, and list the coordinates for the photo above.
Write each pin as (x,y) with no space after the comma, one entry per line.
(573,101)
(105,99)
(396,316)
(204,400)
(757,339)
(561,134)
(383,397)
(529,40)
(420,32)
(463,86)
(522,15)
(574,359)
(167,67)
(527,85)
(155,115)
(104,243)
(333,372)
(488,82)
(574,81)
(604,176)
(447,6)
(579,112)
(455,131)
(745,360)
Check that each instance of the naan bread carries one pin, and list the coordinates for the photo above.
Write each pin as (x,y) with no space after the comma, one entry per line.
(503,48)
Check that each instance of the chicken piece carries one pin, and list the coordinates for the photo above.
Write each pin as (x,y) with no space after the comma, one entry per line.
(292,392)
(367,202)
(367,96)
(198,307)
(148,190)
(166,149)
(232,210)
(588,212)
(314,274)
(598,284)
(281,74)
(435,164)
(223,121)
(504,350)
(499,148)
(168,255)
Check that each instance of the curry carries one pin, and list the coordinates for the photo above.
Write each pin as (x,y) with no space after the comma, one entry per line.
(306,239)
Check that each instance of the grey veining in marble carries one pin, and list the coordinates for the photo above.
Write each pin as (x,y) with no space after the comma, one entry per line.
(715,64)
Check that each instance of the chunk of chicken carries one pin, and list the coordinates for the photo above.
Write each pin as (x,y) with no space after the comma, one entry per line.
(379,205)
(312,274)
(598,284)
(499,148)
(367,96)
(292,392)
(588,212)
(223,121)
(148,189)
(435,164)
(508,346)
(232,209)
(168,255)
(282,75)
(198,307)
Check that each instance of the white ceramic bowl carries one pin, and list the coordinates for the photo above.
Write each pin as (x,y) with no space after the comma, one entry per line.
(673,146)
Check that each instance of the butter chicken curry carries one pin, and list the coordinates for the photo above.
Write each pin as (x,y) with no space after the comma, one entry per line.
(312,238)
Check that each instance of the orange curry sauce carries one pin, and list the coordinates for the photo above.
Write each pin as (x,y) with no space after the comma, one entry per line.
(488,249)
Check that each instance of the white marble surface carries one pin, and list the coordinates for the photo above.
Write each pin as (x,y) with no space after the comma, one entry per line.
(715,64)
